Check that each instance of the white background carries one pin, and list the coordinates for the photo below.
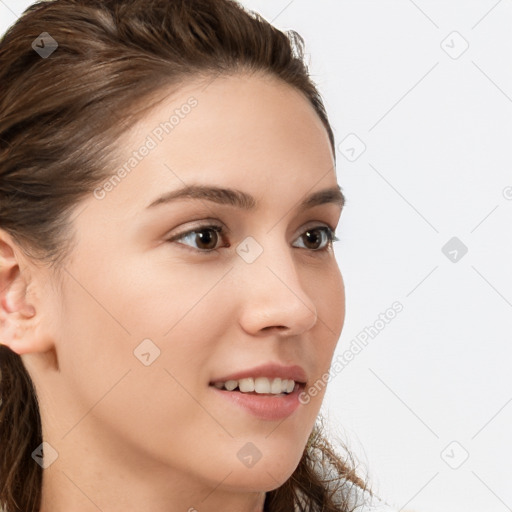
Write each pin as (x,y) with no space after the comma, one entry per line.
(437,164)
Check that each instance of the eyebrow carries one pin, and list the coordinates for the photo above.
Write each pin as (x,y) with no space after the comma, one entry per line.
(242,200)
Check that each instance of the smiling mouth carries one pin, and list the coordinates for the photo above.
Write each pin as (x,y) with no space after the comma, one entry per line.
(260,386)
(270,406)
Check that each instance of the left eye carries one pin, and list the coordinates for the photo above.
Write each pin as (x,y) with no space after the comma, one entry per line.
(207,237)
(320,234)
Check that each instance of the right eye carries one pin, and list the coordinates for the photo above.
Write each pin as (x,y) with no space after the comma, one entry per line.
(207,235)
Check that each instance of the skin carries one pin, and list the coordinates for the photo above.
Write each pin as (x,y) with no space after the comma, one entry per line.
(136,437)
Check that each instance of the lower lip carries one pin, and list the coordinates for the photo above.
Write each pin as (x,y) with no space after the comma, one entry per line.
(266,407)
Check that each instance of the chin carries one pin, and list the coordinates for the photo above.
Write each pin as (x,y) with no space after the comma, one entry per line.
(264,478)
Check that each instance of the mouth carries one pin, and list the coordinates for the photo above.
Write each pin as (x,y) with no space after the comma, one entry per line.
(262,404)
(264,386)
(270,391)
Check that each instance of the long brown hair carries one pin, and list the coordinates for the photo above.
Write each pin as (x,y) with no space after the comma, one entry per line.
(60,115)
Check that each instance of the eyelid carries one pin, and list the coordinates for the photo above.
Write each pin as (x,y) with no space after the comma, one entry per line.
(316,224)
(202,224)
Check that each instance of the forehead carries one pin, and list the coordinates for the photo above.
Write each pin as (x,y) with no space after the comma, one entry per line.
(258,110)
(247,131)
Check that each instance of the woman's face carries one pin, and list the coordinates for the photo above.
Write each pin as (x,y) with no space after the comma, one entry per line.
(144,319)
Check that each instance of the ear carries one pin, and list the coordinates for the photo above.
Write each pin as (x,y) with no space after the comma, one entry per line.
(19,317)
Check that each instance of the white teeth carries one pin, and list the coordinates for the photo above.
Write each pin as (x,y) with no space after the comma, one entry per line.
(262,385)
(231,384)
(246,385)
(276,386)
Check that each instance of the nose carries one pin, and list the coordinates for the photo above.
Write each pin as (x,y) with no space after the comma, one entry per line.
(272,293)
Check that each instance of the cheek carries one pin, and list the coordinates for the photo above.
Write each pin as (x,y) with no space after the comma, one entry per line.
(111,388)
(94,345)
(158,295)
(338,300)
(330,303)
(103,324)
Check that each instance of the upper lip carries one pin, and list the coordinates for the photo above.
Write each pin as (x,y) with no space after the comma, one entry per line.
(271,370)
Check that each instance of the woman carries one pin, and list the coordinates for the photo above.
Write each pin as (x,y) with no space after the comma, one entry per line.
(170,298)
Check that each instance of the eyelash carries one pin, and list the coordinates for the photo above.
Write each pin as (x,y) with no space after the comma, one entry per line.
(331,237)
